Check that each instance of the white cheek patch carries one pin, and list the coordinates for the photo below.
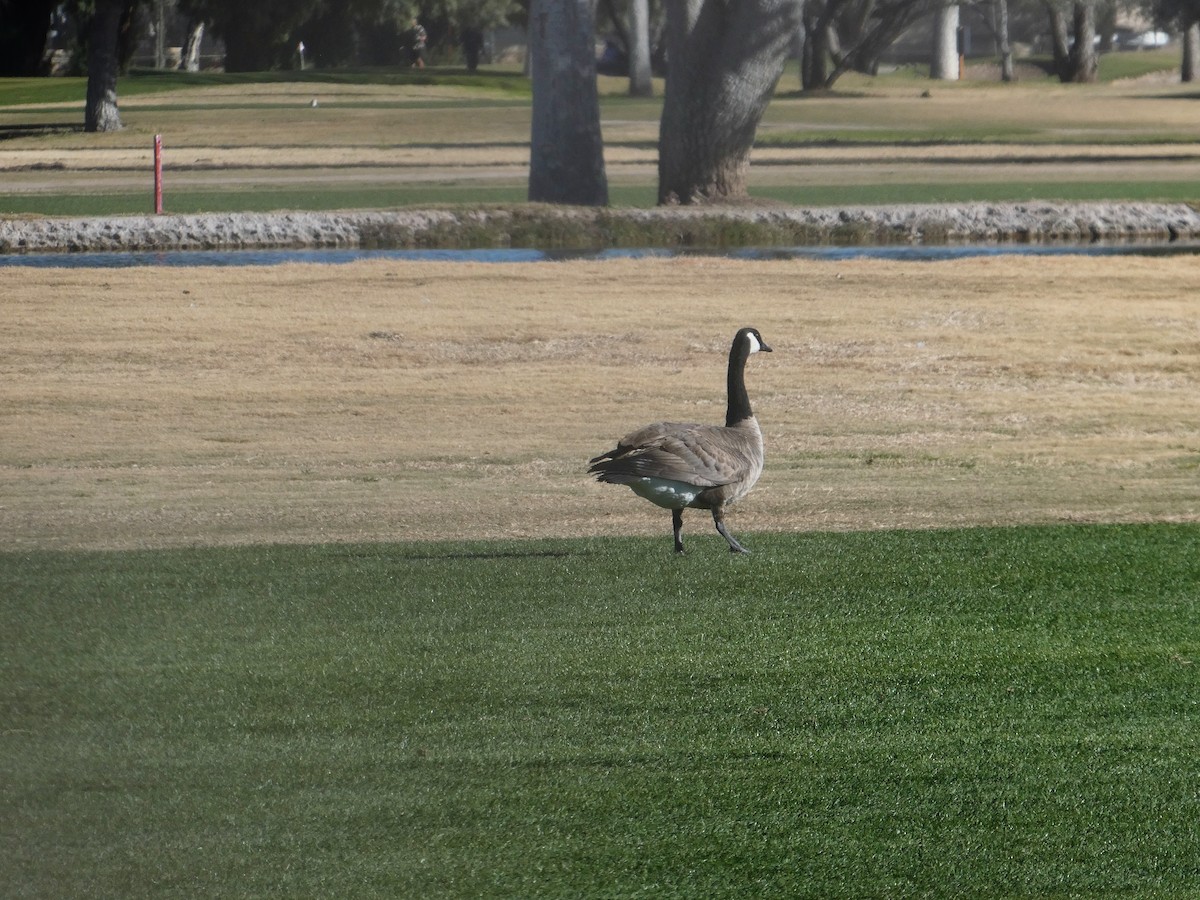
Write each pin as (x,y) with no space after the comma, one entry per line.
(755,346)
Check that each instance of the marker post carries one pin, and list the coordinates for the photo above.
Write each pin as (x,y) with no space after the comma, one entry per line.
(158,175)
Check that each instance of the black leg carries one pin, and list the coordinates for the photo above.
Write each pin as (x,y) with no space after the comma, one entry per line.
(677,525)
(719,521)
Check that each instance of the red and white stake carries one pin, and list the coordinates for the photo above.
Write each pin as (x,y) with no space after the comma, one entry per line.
(158,174)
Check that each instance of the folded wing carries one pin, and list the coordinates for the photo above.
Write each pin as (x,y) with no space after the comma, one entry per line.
(701,455)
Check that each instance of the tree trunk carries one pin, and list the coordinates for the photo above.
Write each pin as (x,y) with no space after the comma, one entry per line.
(725,60)
(1191,52)
(566,162)
(944,66)
(160,34)
(191,54)
(1106,25)
(1084,64)
(640,82)
(1060,44)
(800,42)
(101,112)
(816,58)
(1007,72)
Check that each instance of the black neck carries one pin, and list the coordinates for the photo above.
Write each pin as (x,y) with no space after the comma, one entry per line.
(739,401)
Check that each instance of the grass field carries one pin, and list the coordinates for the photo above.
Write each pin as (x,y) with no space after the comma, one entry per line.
(387,139)
(303,591)
(383,400)
(852,711)
(984,713)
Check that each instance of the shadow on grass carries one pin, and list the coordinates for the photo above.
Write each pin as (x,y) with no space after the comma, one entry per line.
(44,129)
(432,555)
(1190,95)
(499,554)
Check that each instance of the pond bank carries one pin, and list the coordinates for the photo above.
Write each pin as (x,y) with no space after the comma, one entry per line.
(552,227)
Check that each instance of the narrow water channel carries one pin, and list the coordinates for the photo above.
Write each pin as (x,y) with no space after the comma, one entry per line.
(913,253)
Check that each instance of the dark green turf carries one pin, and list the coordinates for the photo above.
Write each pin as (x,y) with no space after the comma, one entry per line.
(983,713)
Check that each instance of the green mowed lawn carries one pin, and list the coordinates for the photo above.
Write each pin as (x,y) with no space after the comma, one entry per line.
(986,712)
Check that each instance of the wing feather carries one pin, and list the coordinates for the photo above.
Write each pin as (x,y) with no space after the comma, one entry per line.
(702,455)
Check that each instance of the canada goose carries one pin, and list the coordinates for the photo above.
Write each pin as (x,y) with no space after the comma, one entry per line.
(677,465)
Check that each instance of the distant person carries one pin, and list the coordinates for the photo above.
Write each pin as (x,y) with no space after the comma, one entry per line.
(472,42)
(419,40)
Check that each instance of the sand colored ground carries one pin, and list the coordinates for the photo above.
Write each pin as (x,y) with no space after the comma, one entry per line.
(398,400)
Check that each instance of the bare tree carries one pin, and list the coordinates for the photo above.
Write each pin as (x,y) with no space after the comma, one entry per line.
(725,60)
(566,162)
(845,35)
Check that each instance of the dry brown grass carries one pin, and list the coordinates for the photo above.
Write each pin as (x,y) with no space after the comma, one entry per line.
(392,400)
(1112,110)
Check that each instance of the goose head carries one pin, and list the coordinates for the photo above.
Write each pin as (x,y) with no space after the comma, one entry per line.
(750,341)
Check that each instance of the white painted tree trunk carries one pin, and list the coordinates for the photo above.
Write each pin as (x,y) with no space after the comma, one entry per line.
(640,84)
(944,64)
(566,163)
